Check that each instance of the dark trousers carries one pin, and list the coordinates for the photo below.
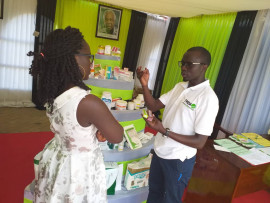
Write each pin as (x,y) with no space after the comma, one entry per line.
(168,179)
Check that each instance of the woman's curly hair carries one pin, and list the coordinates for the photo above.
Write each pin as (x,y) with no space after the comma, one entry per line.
(56,67)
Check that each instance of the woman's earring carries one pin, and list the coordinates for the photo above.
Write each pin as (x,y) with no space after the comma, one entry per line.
(81,68)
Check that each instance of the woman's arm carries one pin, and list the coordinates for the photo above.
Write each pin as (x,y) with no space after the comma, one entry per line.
(92,110)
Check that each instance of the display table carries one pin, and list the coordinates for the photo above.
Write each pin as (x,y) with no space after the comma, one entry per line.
(221,176)
(126,156)
(105,60)
(131,196)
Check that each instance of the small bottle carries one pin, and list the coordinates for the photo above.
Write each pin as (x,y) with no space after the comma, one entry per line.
(121,145)
(131,105)
(107,99)
(137,103)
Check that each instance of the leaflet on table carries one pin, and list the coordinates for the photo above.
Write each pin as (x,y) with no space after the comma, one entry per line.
(232,146)
(265,150)
(241,139)
(258,139)
(256,157)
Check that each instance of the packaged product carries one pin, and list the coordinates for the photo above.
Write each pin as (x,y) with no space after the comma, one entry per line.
(116,71)
(121,145)
(116,51)
(131,105)
(137,103)
(101,49)
(104,145)
(137,174)
(111,176)
(107,98)
(36,164)
(108,50)
(114,101)
(121,105)
(112,145)
(132,137)
(114,174)
(145,137)
(97,68)
(108,72)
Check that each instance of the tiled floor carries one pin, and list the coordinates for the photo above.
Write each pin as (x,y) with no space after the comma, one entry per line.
(16,120)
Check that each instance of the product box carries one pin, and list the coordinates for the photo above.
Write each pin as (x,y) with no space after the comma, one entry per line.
(36,163)
(137,174)
(111,176)
(132,137)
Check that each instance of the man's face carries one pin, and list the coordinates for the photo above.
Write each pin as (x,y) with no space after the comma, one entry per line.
(193,72)
(109,21)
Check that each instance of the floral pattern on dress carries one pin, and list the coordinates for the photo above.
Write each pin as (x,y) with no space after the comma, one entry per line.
(71,168)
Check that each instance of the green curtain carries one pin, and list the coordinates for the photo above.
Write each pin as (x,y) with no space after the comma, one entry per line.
(212,32)
(83,14)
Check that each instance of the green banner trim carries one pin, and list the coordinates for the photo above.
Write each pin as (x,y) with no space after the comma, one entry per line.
(139,124)
(124,94)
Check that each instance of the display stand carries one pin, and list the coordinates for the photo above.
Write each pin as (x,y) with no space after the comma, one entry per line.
(118,88)
(123,196)
(105,60)
(123,89)
(124,157)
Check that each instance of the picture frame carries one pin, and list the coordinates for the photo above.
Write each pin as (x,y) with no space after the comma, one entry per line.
(1,9)
(108,22)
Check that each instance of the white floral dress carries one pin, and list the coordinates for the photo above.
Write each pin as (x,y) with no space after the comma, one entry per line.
(71,169)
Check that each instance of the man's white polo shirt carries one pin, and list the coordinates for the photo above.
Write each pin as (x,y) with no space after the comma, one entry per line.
(187,111)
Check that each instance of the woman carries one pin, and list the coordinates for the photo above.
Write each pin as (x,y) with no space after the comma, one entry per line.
(71,168)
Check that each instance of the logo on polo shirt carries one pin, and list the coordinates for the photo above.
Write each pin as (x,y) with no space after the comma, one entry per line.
(189,104)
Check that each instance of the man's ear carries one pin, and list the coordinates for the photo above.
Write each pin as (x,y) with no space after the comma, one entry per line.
(205,67)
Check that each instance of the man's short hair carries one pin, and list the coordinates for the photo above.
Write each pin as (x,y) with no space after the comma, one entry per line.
(108,11)
(206,56)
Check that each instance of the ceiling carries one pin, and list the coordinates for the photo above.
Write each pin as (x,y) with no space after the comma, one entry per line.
(190,8)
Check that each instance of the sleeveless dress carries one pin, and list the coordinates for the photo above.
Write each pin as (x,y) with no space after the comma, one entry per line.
(71,168)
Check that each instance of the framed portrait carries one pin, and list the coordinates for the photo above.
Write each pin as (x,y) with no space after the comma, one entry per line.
(108,22)
(1,8)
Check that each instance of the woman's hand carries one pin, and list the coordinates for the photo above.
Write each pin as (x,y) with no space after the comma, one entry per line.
(100,137)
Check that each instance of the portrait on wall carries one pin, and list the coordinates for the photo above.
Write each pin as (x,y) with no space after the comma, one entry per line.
(108,22)
(1,9)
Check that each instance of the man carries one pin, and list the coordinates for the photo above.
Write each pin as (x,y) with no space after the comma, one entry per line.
(188,119)
(109,22)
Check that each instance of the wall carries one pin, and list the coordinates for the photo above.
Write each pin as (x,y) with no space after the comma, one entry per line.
(83,14)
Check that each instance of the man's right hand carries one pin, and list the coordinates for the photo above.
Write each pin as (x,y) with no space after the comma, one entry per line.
(143,75)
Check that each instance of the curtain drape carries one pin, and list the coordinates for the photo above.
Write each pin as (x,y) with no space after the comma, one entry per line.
(134,39)
(211,32)
(152,44)
(16,39)
(44,25)
(232,60)
(165,55)
(248,109)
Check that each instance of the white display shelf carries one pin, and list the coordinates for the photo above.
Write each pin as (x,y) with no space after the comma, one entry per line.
(127,115)
(123,196)
(110,83)
(129,196)
(128,154)
(106,57)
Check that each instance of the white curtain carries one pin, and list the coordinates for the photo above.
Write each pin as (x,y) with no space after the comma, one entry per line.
(16,39)
(248,109)
(152,44)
